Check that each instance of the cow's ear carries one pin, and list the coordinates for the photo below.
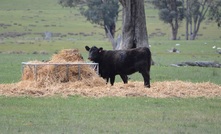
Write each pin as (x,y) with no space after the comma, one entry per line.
(100,49)
(87,48)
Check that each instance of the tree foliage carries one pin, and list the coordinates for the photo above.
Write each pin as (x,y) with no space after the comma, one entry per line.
(196,13)
(215,12)
(171,12)
(70,3)
(101,12)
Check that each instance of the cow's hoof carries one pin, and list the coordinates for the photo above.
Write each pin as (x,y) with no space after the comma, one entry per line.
(147,86)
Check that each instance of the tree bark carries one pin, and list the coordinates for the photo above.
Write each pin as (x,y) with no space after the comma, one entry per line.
(174,22)
(134,31)
(175,27)
(187,18)
(111,28)
(198,18)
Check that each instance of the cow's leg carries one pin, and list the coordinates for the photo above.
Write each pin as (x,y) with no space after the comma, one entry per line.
(112,79)
(146,77)
(144,69)
(124,78)
(107,79)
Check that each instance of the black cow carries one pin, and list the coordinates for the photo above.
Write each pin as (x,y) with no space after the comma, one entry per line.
(122,62)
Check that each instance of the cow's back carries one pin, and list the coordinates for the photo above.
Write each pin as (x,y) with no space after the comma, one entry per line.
(139,54)
(125,61)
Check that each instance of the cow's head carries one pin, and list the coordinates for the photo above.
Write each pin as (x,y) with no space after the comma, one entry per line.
(94,53)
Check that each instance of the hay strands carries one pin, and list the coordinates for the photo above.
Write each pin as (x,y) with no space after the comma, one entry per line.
(66,64)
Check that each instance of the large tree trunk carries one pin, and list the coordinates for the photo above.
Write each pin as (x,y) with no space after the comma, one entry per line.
(134,32)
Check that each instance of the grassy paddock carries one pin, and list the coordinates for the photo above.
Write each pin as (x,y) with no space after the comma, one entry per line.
(105,115)
(190,74)
(109,115)
(190,51)
(74,31)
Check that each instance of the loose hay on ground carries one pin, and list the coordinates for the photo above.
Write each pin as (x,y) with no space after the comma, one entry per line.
(158,90)
(53,80)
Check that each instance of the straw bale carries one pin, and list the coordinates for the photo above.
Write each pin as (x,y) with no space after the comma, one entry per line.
(67,55)
(50,74)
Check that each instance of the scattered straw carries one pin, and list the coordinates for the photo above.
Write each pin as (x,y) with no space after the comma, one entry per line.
(50,83)
(90,89)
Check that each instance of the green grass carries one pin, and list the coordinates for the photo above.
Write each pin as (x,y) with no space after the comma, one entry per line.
(10,65)
(109,115)
(190,51)
(77,114)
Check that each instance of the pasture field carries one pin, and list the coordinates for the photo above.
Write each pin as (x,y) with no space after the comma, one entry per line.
(109,115)
(190,51)
(22,27)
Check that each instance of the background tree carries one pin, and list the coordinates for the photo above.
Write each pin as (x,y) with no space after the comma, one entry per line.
(171,12)
(101,12)
(134,31)
(215,12)
(187,14)
(196,11)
